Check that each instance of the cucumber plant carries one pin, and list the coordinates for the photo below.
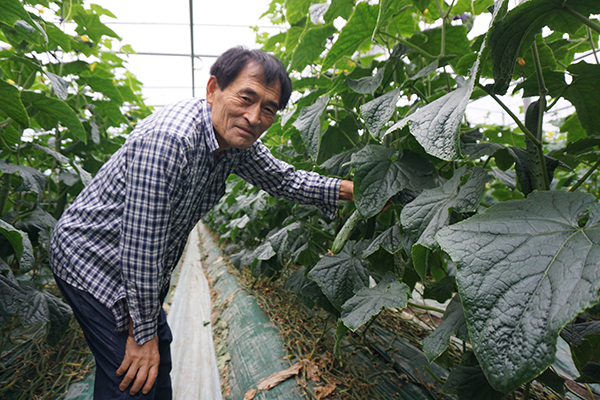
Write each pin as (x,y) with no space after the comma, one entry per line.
(504,221)
(66,103)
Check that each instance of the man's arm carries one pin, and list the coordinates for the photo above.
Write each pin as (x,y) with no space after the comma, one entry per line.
(152,181)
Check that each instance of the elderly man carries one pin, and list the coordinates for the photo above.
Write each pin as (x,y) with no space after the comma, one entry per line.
(114,249)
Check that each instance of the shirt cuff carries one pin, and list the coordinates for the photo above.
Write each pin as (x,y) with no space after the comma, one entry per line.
(331,197)
(144,331)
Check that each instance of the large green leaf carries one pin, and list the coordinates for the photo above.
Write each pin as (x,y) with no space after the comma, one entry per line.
(518,28)
(453,323)
(360,26)
(339,8)
(378,111)
(295,10)
(20,244)
(380,173)
(11,11)
(11,105)
(105,86)
(583,94)
(33,180)
(430,212)
(55,109)
(342,275)
(369,302)
(309,124)
(526,268)
(470,383)
(392,240)
(367,84)
(311,46)
(436,126)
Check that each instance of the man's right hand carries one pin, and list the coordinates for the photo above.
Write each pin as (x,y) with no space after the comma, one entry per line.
(140,363)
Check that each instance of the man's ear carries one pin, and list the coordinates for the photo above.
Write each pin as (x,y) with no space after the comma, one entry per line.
(211,88)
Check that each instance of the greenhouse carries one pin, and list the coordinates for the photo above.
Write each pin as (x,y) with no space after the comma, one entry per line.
(300,199)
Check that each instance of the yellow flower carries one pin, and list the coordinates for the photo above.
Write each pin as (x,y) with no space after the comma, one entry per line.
(93,66)
(84,38)
(10,81)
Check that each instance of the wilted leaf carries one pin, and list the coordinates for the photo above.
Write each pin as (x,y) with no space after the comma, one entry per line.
(278,377)
(323,391)
(369,302)
(342,275)
(380,173)
(378,111)
(525,269)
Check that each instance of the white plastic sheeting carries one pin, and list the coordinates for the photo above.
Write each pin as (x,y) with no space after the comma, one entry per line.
(195,375)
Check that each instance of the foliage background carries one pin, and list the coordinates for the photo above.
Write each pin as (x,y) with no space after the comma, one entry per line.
(504,222)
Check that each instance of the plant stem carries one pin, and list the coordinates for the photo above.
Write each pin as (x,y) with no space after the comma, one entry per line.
(527,390)
(4,191)
(591,39)
(542,103)
(410,45)
(582,18)
(512,115)
(426,308)
(584,178)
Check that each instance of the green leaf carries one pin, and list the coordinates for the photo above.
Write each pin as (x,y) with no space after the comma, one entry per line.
(470,383)
(89,24)
(11,11)
(369,302)
(105,86)
(367,84)
(583,94)
(360,26)
(380,173)
(309,124)
(430,212)
(20,244)
(340,332)
(55,109)
(295,10)
(453,323)
(436,126)
(392,240)
(59,316)
(518,28)
(339,8)
(378,111)
(311,46)
(342,275)
(33,180)
(59,85)
(430,69)
(307,290)
(317,11)
(526,268)
(11,105)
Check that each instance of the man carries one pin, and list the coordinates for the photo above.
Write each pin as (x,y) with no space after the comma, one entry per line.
(114,249)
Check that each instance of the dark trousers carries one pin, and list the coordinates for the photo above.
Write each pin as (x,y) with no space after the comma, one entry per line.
(108,346)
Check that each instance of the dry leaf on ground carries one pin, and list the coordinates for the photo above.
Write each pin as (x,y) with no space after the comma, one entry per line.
(312,371)
(278,377)
(323,391)
(250,394)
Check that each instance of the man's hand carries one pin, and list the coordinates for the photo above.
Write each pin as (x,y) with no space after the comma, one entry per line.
(347,190)
(140,363)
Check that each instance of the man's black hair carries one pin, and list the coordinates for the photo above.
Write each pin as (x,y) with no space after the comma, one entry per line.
(229,64)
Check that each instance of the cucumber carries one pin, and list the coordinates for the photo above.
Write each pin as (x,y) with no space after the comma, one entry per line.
(345,232)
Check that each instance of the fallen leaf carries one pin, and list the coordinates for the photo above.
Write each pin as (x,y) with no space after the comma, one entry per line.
(323,391)
(250,394)
(334,380)
(278,377)
(312,371)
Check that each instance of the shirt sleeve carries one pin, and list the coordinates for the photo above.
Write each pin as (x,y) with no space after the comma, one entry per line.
(281,179)
(154,163)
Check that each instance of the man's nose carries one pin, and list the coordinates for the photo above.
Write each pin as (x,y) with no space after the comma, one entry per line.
(253,114)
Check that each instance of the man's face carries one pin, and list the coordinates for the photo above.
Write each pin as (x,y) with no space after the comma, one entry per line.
(244,109)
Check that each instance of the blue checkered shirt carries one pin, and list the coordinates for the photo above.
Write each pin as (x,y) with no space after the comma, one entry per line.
(124,234)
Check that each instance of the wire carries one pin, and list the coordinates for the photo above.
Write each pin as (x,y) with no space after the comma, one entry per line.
(182,24)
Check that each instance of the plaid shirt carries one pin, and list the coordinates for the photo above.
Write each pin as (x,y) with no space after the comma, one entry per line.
(124,234)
